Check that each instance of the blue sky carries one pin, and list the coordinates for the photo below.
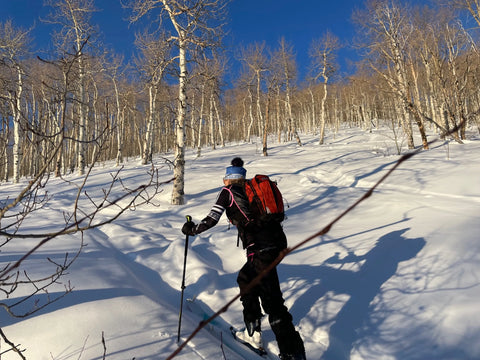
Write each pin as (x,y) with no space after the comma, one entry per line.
(298,21)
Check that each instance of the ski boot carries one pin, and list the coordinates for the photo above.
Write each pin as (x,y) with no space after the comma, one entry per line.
(252,334)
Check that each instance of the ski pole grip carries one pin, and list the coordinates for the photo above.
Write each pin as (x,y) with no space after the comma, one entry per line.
(189,218)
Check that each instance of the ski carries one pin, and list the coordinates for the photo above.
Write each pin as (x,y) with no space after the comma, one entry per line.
(223,331)
(260,351)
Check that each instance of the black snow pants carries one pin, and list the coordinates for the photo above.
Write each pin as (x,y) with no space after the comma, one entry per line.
(270,294)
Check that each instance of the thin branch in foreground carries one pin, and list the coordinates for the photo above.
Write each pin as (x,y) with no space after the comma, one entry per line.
(104,346)
(13,347)
(289,250)
(74,227)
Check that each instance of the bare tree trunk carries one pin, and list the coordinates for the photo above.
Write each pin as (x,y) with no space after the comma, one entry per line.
(179,161)
(58,130)
(287,62)
(265,127)
(211,122)
(16,110)
(244,120)
(219,122)
(59,122)
(120,125)
(313,110)
(96,127)
(278,116)
(261,121)
(322,113)
(416,109)
(250,113)
(147,145)
(200,125)
(82,121)
(5,156)
(323,53)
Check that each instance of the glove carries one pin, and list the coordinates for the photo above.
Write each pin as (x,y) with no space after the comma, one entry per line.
(188,228)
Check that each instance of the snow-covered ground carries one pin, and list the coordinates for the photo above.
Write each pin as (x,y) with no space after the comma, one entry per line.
(397,278)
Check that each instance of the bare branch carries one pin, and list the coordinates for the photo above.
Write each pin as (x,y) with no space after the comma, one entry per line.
(13,347)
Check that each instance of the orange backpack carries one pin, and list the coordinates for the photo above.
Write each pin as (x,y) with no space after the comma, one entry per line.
(266,200)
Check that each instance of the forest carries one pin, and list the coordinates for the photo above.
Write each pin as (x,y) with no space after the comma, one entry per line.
(419,70)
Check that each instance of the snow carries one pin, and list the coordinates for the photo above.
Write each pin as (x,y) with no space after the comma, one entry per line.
(397,278)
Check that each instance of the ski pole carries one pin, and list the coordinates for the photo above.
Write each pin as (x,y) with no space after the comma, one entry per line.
(189,219)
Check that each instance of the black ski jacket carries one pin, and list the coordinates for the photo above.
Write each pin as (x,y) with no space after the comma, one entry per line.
(255,235)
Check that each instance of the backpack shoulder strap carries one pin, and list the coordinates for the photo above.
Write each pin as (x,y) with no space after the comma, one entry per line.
(231,195)
(236,203)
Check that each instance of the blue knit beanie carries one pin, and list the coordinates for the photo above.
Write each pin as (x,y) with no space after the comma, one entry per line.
(236,171)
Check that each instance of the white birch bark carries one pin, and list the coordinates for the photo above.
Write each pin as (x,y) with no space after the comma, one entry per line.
(211,122)
(120,124)
(16,109)
(200,125)
(147,144)
(219,122)
(323,110)
(250,114)
(179,161)
(82,121)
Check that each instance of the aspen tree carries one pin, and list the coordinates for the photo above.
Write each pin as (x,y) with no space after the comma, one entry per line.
(256,65)
(444,50)
(196,25)
(154,61)
(14,44)
(209,72)
(74,18)
(289,71)
(473,7)
(323,55)
(386,26)
(114,73)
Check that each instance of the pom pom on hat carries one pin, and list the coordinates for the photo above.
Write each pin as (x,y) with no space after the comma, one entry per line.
(237,162)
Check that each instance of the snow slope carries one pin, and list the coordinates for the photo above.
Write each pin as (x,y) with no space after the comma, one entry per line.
(397,278)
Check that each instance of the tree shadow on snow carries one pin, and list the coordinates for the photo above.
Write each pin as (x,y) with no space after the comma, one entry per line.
(362,286)
(74,298)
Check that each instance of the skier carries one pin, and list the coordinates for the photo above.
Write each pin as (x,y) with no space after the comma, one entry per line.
(263,243)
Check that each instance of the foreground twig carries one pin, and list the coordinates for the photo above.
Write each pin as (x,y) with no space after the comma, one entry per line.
(104,346)
(75,226)
(13,347)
